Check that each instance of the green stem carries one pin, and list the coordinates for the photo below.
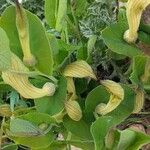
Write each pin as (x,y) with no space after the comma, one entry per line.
(73,141)
(117,9)
(75,21)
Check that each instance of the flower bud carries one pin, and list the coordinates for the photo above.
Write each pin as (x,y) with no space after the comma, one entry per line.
(134,13)
(73,110)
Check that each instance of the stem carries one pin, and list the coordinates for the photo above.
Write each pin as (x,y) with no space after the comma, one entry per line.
(66,34)
(73,141)
(117,9)
(75,21)
(69,138)
(75,30)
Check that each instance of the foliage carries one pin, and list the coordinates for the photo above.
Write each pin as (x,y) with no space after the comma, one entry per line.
(85,80)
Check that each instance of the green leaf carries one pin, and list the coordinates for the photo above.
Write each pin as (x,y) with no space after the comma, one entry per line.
(78,128)
(20,127)
(90,46)
(93,99)
(63,51)
(29,123)
(10,147)
(82,143)
(61,15)
(14,99)
(99,130)
(5,88)
(138,68)
(42,118)
(144,37)
(80,7)
(5,53)
(54,104)
(55,13)
(56,146)
(100,95)
(132,140)
(38,40)
(113,38)
(101,126)
(50,8)
(145,27)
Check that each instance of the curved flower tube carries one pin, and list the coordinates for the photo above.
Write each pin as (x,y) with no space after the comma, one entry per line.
(134,13)
(79,69)
(114,88)
(71,89)
(73,110)
(23,31)
(116,97)
(21,83)
(113,103)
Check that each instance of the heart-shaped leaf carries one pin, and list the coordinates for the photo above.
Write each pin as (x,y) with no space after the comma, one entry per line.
(38,40)
(25,130)
(5,53)
(132,140)
(78,128)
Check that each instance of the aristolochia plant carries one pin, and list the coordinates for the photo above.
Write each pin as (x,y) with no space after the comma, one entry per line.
(60,88)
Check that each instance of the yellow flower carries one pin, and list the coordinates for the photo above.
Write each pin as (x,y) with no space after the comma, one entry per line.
(23,31)
(116,97)
(113,103)
(21,83)
(114,88)
(73,110)
(134,13)
(71,89)
(79,69)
